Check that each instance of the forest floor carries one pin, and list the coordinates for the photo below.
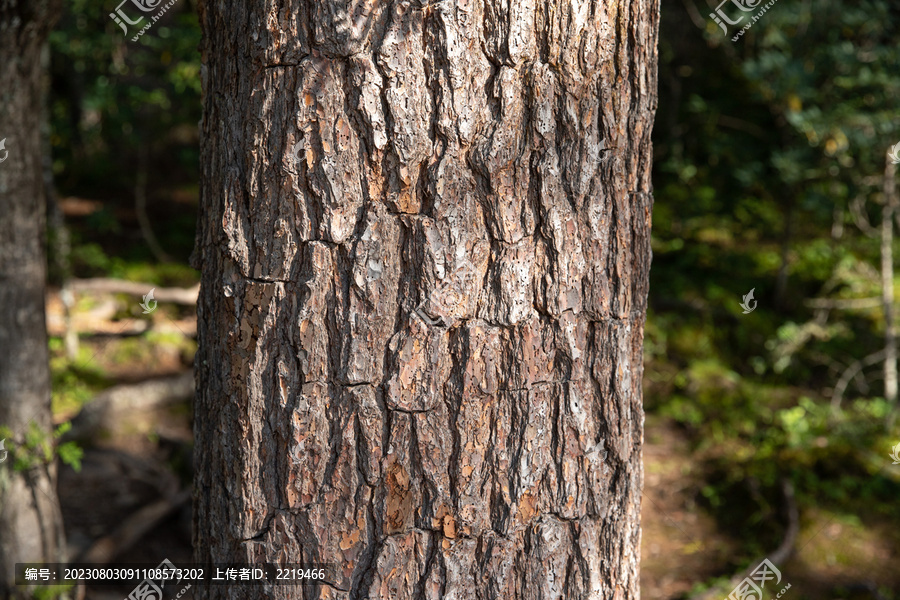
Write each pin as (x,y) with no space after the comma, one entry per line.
(683,546)
(130,501)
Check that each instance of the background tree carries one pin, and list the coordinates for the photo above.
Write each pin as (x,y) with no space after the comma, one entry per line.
(420,340)
(30,520)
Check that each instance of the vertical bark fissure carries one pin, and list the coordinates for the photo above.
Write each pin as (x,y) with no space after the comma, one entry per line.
(498,515)
(454,402)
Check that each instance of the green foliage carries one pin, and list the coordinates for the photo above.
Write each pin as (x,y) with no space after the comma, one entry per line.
(51,592)
(768,172)
(90,259)
(36,447)
(112,97)
(69,452)
(74,382)
(124,121)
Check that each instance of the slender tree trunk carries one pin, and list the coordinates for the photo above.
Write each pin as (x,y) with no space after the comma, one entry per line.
(420,343)
(30,520)
(887,283)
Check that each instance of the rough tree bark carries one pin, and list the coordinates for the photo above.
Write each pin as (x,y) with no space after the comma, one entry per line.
(30,520)
(420,343)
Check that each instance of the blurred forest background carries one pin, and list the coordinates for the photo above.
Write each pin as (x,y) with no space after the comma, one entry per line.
(765,432)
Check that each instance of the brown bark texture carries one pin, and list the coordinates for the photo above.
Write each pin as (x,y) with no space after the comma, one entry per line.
(30,520)
(425,246)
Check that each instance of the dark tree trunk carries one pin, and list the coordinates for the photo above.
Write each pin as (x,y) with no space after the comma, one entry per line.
(420,344)
(30,520)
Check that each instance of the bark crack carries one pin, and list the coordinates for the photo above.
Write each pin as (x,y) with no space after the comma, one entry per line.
(287,64)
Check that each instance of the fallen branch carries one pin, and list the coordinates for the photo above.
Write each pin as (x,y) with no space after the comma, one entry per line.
(104,285)
(843,304)
(122,328)
(111,328)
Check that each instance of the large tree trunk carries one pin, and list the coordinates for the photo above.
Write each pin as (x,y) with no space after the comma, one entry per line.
(30,520)
(420,343)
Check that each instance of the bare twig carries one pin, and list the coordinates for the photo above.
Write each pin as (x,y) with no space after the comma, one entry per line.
(742,125)
(140,207)
(69,334)
(783,551)
(694,14)
(804,23)
(850,373)
(857,210)
(780,554)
